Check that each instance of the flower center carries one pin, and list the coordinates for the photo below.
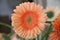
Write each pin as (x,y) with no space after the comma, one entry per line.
(29,20)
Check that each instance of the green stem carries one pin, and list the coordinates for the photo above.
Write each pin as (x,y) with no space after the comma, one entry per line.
(5,24)
(47,37)
(48,21)
(43,36)
(38,37)
(23,38)
(46,34)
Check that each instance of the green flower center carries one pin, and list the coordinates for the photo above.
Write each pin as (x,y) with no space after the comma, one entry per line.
(29,20)
(50,14)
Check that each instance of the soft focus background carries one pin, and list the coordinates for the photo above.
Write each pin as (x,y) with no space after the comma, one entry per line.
(7,6)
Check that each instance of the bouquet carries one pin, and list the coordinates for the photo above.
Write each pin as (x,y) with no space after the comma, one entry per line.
(31,21)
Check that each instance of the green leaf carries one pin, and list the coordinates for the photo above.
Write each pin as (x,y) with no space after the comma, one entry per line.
(6,37)
(5,24)
(43,35)
(11,33)
(50,14)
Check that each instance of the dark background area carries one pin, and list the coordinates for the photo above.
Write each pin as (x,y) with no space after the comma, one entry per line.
(6,18)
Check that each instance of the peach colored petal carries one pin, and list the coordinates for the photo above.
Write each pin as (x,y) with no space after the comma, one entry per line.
(54,36)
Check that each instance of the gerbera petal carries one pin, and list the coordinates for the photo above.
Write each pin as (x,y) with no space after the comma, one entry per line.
(54,36)
(37,30)
(41,26)
(28,34)
(16,20)
(43,18)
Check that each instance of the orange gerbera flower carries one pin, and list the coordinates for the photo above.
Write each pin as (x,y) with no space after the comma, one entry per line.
(56,25)
(54,36)
(28,20)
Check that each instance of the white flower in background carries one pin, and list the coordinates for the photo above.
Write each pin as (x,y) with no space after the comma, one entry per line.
(54,10)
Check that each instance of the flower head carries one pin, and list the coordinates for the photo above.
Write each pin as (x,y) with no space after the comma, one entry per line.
(56,25)
(52,12)
(54,36)
(28,20)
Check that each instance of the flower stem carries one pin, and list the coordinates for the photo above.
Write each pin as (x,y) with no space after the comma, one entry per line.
(37,37)
(5,24)
(23,38)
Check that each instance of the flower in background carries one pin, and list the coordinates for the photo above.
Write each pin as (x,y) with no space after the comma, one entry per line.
(54,36)
(28,20)
(56,25)
(52,13)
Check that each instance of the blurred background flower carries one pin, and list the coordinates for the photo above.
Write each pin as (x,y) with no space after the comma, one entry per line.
(56,25)
(52,13)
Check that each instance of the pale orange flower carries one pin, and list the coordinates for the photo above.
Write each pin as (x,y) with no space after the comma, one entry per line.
(28,20)
(56,25)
